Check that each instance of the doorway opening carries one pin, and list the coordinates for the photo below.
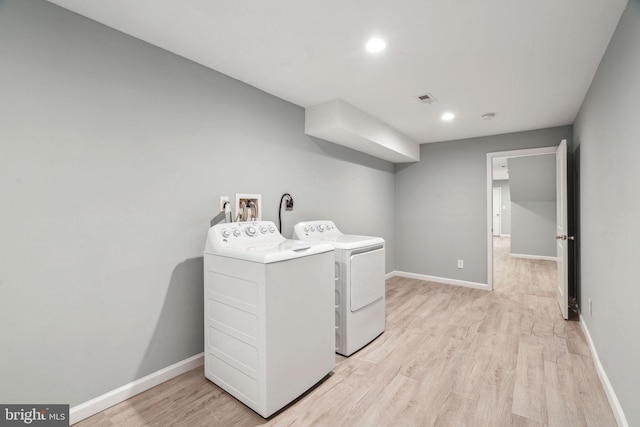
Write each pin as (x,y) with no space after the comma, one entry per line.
(506,254)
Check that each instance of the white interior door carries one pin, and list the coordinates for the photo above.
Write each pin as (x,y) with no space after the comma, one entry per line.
(561,224)
(497,202)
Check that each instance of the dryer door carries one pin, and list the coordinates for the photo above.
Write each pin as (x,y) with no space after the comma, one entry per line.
(367,278)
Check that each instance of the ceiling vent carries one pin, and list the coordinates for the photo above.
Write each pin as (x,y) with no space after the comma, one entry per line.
(427,98)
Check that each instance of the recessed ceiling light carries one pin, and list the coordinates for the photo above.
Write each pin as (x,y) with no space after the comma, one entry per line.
(448,116)
(376,45)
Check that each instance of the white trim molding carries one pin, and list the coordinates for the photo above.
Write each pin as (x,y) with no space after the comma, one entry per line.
(608,388)
(443,280)
(127,391)
(542,257)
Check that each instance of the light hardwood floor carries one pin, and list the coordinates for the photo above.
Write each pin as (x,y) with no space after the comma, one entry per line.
(450,356)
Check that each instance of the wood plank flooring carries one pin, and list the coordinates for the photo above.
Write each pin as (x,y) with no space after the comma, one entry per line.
(450,356)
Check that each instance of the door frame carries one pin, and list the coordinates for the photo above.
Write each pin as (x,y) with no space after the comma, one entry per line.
(493,211)
(490,156)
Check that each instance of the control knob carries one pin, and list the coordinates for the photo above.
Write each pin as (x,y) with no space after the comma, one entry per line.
(236,233)
(321,228)
(251,231)
(225,234)
(263,230)
(272,230)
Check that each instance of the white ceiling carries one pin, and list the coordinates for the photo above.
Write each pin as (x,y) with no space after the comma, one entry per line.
(529,61)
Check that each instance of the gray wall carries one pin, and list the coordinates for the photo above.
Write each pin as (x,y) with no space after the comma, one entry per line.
(441,203)
(113,155)
(533,228)
(505,205)
(607,152)
(533,199)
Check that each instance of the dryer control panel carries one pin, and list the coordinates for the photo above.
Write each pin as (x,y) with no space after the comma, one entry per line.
(326,231)
(316,228)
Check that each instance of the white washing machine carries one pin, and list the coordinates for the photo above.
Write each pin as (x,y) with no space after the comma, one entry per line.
(359,283)
(269,314)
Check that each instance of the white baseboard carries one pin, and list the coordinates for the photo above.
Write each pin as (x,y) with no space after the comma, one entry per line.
(100,403)
(389,275)
(608,389)
(444,280)
(542,257)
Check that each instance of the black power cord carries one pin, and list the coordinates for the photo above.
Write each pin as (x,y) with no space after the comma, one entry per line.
(288,207)
(224,209)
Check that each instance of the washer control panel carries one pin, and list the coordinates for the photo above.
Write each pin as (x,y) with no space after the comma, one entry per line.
(246,234)
(317,228)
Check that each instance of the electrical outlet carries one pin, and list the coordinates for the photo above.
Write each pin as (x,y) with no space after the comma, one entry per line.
(460,263)
(223,199)
(590,308)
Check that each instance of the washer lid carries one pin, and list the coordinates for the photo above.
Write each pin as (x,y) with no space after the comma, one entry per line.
(288,249)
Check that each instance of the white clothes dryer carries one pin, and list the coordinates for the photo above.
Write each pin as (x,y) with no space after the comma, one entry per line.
(269,314)
(359,283)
